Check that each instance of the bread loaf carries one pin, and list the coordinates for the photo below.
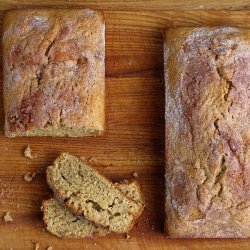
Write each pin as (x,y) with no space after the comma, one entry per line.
(207,132)
(53,72)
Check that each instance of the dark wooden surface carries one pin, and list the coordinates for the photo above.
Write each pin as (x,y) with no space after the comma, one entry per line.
(134,139)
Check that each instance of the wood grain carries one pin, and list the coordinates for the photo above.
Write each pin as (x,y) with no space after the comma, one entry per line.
(134,140)
(135,4)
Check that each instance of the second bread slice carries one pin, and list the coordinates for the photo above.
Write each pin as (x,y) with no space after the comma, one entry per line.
(87,193)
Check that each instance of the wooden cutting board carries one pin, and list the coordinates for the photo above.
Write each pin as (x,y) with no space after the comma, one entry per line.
(134,139)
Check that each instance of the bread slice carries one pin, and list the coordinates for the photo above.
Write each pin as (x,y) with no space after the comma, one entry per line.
(87,193)
(62,223)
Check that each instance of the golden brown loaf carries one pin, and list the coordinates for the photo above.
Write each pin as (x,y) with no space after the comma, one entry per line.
(207,132)
(53,65)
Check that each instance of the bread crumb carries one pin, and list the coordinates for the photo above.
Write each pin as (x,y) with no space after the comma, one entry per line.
(28,177)
(7,217)
(95,244)
(152,227)
(128,236)
(125,181)
(135,174)
(92,159)
(36,245)
(138,162)
(49,248)
(28,153)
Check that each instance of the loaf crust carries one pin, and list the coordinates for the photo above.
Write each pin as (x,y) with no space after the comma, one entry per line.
(53,70)
(207,132)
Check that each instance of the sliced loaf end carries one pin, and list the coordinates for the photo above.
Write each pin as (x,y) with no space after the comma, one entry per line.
(87,193)
(62,223)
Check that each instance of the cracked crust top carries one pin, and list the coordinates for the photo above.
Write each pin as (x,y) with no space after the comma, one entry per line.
(207,132)
(54,72)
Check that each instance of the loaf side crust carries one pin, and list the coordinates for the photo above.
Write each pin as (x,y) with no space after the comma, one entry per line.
(207,132)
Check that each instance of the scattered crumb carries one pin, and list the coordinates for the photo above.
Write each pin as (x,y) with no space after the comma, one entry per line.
(138,162)
(17,205)
(7,217)
(28,177)
(92,159)
(95,244)
(125,181)
(36,245)
(128,236)
(15,229)
(49,248)
(28,153)
(131,153)
(135,174)
(152,227)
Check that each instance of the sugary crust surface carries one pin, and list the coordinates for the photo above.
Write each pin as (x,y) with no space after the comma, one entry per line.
(207,132)
(54,79)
